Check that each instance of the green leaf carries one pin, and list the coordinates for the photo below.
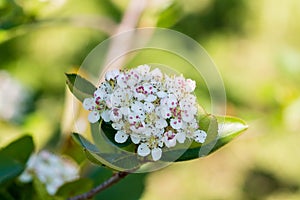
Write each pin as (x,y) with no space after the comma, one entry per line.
(116,160)
(13,158)
(79,139)
(20,149)
(88,148)
(74,188)
(80,87)
(9,168)
(107,154)
(229,128)
(220,131)
(111,154)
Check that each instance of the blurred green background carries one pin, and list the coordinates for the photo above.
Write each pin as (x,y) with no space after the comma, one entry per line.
(254,43)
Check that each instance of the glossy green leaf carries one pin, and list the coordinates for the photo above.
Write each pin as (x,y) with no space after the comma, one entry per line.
(220,131)
(9,168)
(80,87)
(79,139)
(120,160)
(114,156)
(229,128)
(88,148)
(14,156)
(20,149)
(74,188)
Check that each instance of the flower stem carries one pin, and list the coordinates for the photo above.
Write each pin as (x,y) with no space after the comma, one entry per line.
(106,184)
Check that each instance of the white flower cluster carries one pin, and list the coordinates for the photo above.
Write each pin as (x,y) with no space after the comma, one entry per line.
(51,170)
(151,108)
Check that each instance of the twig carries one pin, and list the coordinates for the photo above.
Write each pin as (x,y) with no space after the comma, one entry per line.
(118,45)
(112,180)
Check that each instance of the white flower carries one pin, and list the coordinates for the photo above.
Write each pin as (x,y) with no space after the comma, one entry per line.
(103,91)
(172,101)
(161,123)
(121,81)
(187,116)
(161,94)
(200,136)
(156,74)
(115,115)
(150,98)
(105,116)
(135,138)
(137,107)
(13,97)
(143,150)
(176,123)
(169,139)
(153,109)
(89,104)
(121,137)
(51,170)
(93,116)
(148,107)
(111,75)
(165,112)
(96,106)
(156,154)
(143,70)
(180,137)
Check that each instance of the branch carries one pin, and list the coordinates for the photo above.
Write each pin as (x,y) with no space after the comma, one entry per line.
(112,180)
(129,21)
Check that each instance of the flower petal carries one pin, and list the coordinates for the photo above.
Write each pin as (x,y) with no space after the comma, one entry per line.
(172,101)
(112,74)
(121,137)
(135,139)
(176,123)
(187,116)
(165,112)
(151,98)
(94,116)
(156,153)
(180,137)
(161,94)
(148,107)
(143,150)
(200,136)
(88,104)
(161,123)
(105,115)
(170,142)
(190,85)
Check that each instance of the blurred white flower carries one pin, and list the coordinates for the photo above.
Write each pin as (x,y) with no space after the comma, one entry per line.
(154,110)
(51,170)
(12,97)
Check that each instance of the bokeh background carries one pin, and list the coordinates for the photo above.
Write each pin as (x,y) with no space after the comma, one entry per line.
(254,43)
